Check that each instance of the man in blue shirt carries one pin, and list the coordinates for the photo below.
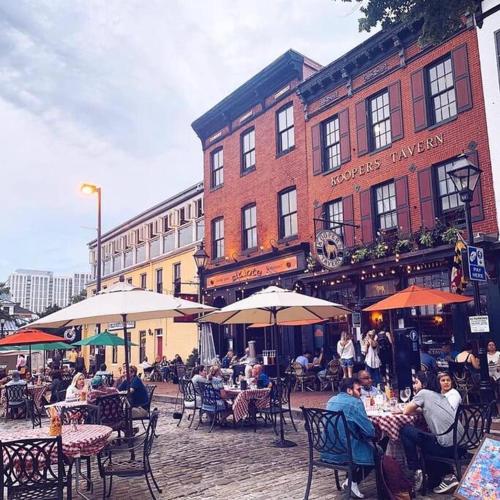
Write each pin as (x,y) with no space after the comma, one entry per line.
(361,429)
(426,359)
(138,393)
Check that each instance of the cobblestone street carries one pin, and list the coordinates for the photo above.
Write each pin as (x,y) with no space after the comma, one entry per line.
(228,463)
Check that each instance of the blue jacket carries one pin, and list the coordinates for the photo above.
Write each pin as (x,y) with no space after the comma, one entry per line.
(360,426)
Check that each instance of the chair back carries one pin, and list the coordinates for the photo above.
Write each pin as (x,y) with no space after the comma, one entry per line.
(187,390)
(180,371)
(112,410)
(32,466)
(334,369)
(327,432)
(150,389)
(35,413)
(297,369)
(16,393)
(209,397)
(280,389)
(108,380)
(61,395)
(151,433)
(476,422)
(83,414)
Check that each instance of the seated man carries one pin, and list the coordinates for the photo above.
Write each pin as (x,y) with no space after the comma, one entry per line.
(15,379)
(260,378)
(138,393)
(98,389)
(362,431)
(304,360)
(103,370)
(426,359)
(226,360)
(367,388)
(439,417)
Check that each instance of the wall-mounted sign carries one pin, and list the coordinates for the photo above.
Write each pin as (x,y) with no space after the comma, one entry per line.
(119,326)
(188,318)
(329,249)
(255,272)
(477,266)
(479,324)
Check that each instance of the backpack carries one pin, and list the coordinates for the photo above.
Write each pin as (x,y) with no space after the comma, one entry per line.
(394,481)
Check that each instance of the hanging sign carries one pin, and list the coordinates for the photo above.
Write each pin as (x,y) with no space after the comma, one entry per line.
(119,325)
(329,249)
(479,324)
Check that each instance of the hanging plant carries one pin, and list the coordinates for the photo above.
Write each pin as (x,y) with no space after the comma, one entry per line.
(402,246)
(380,250)
(311,263)
(450,235)
(426,239)
(360,255)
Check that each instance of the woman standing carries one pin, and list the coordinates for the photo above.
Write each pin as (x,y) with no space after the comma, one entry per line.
(369,346)
(493,361)
(345,350)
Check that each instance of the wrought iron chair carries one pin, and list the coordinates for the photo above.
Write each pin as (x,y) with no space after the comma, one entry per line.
(462,378)
(117,460)
(35,414)
(17,398)
(150,389)
(114,411)
(328,432)
(188,402)
(61,395)
(279,391)
(475,420)
(333,376)
(108,380)
(33,469)
(81,414)
(212,404)
(303,379)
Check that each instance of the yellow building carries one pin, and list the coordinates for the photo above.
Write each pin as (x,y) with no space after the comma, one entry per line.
(153,250)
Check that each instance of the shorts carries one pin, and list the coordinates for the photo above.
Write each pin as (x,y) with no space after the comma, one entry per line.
(346,363)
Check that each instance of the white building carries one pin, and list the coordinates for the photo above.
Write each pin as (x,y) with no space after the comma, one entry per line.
(488,34)
(37,290)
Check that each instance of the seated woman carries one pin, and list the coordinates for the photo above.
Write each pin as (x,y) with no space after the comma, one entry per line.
(260,378)
(447,390)
(98,388)
(76,390)
(215,377)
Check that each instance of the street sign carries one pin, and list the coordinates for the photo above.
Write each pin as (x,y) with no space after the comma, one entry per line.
(479,324)
(477,268)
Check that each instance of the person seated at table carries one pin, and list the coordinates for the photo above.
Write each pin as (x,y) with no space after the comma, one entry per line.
(439,417)
(55,386)
(259,377)
(199,375)
(98,388)
(361,428)
(446,354)
(447,390)
(15,379)
(177,360)
(146,366)
(239,367)
(103,370)
(138,395)
(164,368)
(76,388)
(226,360)
(426,359)
(245,356)
(80,363)
(367,388)
(122,375)
(215,377)
(304,360)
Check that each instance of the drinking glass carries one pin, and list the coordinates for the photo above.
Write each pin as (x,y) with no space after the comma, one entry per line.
(405,394)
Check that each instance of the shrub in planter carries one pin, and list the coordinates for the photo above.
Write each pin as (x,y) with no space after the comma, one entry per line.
(380,250)
(402,246)
(360,255)
(450,235)
(426,239)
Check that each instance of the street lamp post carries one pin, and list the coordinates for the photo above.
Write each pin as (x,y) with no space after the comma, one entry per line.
(465,178)
(2,324)
(201,259)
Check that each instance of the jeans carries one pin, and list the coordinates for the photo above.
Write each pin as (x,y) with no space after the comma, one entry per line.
(165,371)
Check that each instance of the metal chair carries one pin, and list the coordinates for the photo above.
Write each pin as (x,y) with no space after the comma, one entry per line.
(61,395)
(108,380)
(117,460)
(188,394)
(150,389)
(462,378)
(303,379)
(16,398)
(475,420)
(114,411)
(280,392)
(212,404)
(180,371)
(82,414)
(333,376)
(33,469)
(35,414)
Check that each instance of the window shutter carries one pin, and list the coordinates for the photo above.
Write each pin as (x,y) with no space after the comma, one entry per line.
(402,204)
(365,200)
(316,149)
(361,128)
(477,212)
(345,141)
(419,104)
(348,216)
(462,78)
(396,111)
(426,193)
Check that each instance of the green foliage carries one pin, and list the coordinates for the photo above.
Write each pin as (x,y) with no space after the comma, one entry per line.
(403,245)
(78,298)
(192,358)
(426,239)
(49,310)
(450,235)
(380,250)
(441,18)
(360,255)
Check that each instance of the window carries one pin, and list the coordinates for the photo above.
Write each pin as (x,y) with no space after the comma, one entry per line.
(449,199)
(218,238)
(331,141)
(385,206)
(248,150)
(182,216)
(142,346)
(114,354)
(334,214)
(143,281)
(380,120)
(129,281)
(199,207)
(249,226)
(442,91)
(497,46)
(217,168)
(286,137)
(159,281)
(176,273)
(288,213)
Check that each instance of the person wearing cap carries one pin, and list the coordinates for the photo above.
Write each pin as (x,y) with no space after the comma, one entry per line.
(98,389)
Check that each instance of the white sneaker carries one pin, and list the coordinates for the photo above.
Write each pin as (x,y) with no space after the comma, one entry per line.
(447,483)
(354,489)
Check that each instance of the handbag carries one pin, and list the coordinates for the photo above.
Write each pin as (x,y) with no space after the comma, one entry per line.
(177,415)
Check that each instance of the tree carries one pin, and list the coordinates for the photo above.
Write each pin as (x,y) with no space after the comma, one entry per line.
(441,18)
(78,298)
(4,290)
(49,310)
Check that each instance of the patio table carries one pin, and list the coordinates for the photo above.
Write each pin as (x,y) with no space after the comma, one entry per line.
(389,423)
(242,399)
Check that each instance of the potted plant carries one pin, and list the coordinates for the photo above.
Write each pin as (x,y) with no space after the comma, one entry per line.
(450,235)
(380,250)
(403,245)
(360,255)
(426,239)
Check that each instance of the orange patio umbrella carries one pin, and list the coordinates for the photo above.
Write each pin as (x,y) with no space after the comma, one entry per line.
(415,296)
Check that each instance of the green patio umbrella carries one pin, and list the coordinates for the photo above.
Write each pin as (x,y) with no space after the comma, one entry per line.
(103,338)
(49,346)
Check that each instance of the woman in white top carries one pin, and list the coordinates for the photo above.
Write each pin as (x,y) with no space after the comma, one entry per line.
(452,395)
(345,350)
(493,361)
(76,388)
(369,346)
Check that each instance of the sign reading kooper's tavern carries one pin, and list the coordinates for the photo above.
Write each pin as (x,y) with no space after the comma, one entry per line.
(329,249)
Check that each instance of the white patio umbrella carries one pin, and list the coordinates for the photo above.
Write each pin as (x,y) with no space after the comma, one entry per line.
(275,305)
(121,302)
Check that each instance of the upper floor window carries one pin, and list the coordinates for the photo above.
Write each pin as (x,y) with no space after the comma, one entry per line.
(286,136)
(331,141)
(249,226)
(143,281)
(385,206)
(159,280)
(248,150)
(449,199)
(177,281)
(199,207)
(217,167)
(442,91)
(380,120)
(334,214)
(288,213)
(218,238)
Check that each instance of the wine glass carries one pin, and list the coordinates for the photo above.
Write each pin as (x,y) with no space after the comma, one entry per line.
(405,394)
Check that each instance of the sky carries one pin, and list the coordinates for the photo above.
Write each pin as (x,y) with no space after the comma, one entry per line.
(105,91)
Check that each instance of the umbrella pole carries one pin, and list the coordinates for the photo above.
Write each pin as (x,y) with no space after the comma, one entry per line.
(281,442)
(125,343)
(29,364)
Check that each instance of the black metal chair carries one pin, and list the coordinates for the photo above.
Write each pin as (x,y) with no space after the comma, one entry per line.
(118,460)
(35,414)
(328,432)
(150,389)
(108,380)
(114,411)
(16,399)
(33,469)
(462,378)
(188,402)
(61,395)
(180,371)
(279,390)
(81,414)
(212,404)
(475,420)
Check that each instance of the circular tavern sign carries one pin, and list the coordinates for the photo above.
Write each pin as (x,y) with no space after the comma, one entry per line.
(329,249)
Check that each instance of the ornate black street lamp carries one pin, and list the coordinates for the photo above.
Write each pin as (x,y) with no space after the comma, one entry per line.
(201,259)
